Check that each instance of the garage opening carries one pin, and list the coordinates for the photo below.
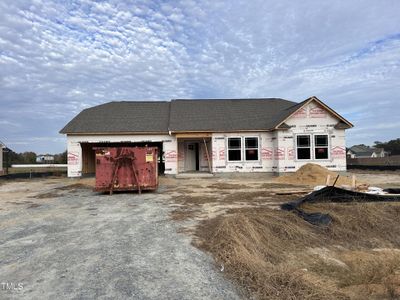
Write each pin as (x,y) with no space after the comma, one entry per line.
(89,155)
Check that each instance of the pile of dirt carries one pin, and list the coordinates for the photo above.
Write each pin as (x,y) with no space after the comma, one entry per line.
(313,174)
(276,255)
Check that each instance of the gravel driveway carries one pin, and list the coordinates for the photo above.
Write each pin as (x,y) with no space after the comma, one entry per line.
(76,244)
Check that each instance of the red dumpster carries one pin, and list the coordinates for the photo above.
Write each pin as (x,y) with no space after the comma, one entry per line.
(126,169)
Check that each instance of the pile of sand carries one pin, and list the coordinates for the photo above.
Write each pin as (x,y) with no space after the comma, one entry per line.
(313,174)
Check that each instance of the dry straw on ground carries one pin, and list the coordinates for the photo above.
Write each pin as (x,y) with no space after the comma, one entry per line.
(268,252)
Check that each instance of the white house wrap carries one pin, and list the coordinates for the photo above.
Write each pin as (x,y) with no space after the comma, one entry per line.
(220,135)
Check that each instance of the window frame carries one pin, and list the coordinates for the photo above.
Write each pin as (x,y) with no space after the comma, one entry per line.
(228,148)
(243,149)
(251,148)
(313,146)
(327,146)
(309,147)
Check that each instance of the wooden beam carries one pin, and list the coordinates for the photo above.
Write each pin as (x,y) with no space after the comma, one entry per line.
(208,156)
(193,135)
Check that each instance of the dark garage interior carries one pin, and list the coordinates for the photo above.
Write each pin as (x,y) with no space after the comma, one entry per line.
(89,157)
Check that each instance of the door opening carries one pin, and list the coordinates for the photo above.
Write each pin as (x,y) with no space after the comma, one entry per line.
(192,161)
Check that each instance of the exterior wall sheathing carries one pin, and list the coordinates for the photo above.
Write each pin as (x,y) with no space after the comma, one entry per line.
(277,149)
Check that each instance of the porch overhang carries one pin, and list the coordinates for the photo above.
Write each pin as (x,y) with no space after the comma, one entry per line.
(193,135)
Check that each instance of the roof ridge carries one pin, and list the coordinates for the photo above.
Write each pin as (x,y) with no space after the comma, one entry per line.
(217,99)
(124,101)
(139,101)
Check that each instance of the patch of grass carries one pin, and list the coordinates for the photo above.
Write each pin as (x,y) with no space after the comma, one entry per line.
(264,251)
(195,200)
(227,186)
(47,195)
(246,196)
(229,198)
(192,204)
(359,267)
(182,214)
(274,185)
(74,186)
(193,186)
(355,225)
(369,267)
(60,170)
(392,288)
(252,245)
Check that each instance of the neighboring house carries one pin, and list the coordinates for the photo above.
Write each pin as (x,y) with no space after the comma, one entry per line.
(44,158)
(213,135)
(362,151)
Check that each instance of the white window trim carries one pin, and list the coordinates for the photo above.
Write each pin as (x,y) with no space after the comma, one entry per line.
(312,146)
(258,148)
(327,147)
(241,149)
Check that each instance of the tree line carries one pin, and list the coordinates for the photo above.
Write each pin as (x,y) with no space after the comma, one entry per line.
(29,157)
(392,146)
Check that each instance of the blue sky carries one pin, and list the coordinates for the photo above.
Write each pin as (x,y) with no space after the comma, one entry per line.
(59,57)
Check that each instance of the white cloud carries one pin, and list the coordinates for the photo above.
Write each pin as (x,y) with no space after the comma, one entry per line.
(57,58)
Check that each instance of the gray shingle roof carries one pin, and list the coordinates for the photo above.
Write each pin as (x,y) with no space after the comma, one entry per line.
(342,125)
(362,150)
(181,115)
(226,114)
(125,116)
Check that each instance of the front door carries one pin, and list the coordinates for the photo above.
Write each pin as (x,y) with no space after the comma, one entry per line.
(192,157)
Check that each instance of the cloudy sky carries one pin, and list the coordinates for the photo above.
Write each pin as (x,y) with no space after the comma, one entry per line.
(58,57)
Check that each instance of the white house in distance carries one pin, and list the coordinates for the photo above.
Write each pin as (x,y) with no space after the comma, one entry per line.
(213,135)
(44,158)
(362,151)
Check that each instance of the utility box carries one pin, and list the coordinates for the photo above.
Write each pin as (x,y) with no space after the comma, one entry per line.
(126,169)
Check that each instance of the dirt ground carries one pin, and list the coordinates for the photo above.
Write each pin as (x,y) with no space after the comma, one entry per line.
(272,254)
(384,179)
(62,240)
(205,198)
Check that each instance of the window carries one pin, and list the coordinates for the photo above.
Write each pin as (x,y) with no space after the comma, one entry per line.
(235,149)
(243,146)
(303,144)
(316,145)
(321,146)
(251,148)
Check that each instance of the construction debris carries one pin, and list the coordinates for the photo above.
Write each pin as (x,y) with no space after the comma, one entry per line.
(338,195)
